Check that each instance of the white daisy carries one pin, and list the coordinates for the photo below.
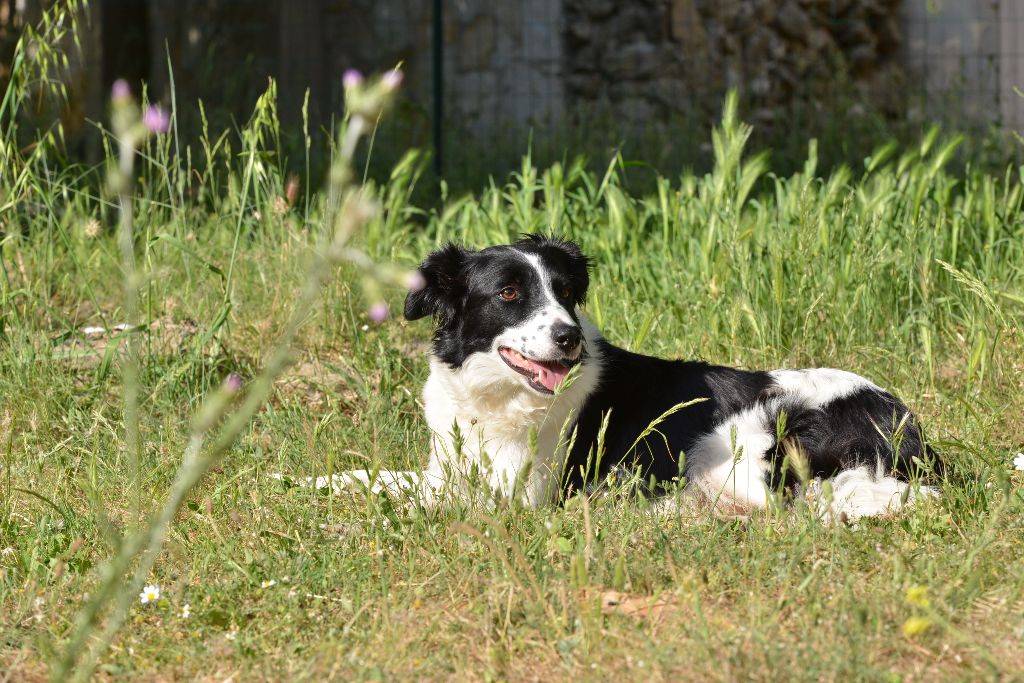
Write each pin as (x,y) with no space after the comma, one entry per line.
(149,594)
(186,611)
(1018,462)
(267,583)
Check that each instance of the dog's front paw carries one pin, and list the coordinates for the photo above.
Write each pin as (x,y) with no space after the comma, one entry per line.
(355,481)
(337,483)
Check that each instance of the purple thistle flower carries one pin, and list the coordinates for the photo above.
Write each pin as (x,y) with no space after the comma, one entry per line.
(351,79)
(120,90)
(392,79)
(379,312)
(156,119)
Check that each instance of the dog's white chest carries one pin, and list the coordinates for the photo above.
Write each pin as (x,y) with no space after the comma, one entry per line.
(508,433)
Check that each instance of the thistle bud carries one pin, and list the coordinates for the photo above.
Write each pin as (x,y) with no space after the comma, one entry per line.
(414,281)
(233,383)
(156,120)
(352,79)
(391,80)
(291,190)
(120,91)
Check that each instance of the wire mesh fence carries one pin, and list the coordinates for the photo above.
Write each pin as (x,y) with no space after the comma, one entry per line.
(965,59)
(492,80)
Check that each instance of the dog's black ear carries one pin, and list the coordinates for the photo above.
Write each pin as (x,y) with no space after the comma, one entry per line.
(579,269)
(442,284)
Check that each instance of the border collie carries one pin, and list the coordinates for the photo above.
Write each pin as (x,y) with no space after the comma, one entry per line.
(526,395)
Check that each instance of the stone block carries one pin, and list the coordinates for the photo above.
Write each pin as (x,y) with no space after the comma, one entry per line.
(686,27)
(634,61)
(477,43)
(793,21)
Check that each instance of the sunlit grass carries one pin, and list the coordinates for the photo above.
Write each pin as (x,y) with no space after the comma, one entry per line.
(899,270)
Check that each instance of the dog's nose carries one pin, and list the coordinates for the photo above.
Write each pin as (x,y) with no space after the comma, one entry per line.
(566,337)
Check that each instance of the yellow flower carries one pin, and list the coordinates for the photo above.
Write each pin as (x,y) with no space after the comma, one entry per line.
(915,626)
(918,596)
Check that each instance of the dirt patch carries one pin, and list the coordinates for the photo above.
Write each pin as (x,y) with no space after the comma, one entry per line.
(22,665)
(413,348)
(326,381)
(635,605)
(90,345)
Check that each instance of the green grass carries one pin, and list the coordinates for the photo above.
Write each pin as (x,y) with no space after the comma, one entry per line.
(906,272)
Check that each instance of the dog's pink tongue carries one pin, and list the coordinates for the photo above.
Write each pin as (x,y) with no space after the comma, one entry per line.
(551,374)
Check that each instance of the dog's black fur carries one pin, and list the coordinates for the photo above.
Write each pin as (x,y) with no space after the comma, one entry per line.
(849,432)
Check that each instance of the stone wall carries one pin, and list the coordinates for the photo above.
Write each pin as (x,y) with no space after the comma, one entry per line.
(650,58)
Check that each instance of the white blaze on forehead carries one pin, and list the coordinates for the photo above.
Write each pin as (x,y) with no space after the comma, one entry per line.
(817,387)
(554,311)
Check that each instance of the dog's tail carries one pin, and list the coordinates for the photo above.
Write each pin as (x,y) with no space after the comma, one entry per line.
(860,493)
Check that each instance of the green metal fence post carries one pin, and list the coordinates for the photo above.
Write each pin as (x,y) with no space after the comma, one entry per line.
(438,87)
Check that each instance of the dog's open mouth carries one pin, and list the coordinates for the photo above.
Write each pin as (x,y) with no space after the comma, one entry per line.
(543,375)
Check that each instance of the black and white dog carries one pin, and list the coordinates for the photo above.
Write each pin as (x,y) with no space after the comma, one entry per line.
(524,392)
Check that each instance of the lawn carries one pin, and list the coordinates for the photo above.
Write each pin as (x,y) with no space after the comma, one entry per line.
(902,270)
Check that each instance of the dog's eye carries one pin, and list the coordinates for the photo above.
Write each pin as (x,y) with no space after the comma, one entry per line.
(509,294)
(566,293)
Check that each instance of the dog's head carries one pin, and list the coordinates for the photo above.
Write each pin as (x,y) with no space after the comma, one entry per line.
(514,304)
